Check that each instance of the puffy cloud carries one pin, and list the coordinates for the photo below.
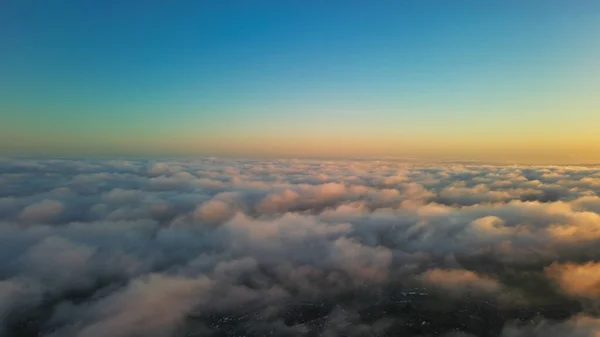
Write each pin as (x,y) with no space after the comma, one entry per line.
(579,280)
(363,263)
(159,169)
(214,212)
(59,263)
(460,282)
(207,246)
(43,211)
(278,201)
(150,306)
(119,195)
(16,294)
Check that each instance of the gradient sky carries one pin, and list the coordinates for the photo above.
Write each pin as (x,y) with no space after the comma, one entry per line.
(496,80)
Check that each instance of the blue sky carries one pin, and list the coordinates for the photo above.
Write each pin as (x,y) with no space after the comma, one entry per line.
(231,72)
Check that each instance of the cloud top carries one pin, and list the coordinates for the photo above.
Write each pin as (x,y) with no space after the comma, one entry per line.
(202,246)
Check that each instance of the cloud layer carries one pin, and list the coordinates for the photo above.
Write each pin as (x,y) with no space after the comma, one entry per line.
(168,248)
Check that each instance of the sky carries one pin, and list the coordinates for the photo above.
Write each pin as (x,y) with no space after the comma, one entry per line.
(488,80)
